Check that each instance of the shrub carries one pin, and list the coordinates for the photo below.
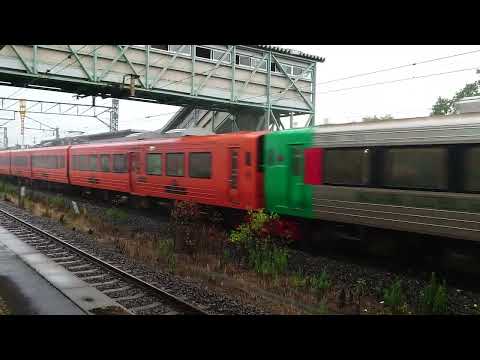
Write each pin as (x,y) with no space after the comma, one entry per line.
(185,212)
(261,227)
(434,297)
(261,245)
(395,299)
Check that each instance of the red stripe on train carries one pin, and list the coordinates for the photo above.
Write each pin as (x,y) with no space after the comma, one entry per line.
(313,166)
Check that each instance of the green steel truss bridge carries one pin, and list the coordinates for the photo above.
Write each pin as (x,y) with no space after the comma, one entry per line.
(255,85)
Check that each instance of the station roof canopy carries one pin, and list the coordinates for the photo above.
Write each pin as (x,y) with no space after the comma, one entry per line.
(292,52)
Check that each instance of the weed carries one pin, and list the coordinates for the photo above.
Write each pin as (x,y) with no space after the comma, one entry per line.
(165,249)
(268,260)
(117,215)
(360,288)
(264,250)
(320,283)
(322,307)
(434,298)
(395,299)
(56,202)
(298,280)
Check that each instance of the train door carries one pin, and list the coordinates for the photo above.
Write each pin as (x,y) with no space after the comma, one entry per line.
(234,172)
(296,186)
(135,175)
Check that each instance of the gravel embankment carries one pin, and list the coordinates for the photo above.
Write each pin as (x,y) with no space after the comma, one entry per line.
(192,291)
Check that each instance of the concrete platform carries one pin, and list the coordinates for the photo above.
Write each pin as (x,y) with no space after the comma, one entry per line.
(31,283)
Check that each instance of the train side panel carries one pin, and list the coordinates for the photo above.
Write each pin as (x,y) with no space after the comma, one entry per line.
(50,164)
(21,163)
(5,162)
(103,166)
(216,170)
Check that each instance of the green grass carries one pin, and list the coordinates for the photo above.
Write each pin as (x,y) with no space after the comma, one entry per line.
(268,260)
(395,298)
(165,249)
(433,299)
(116,215)
(56,202)
(320,282)
(298,280)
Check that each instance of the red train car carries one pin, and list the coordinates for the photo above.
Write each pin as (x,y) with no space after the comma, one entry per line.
(21,163)
(5,162)
(50,164)
(101,166)
(220,170)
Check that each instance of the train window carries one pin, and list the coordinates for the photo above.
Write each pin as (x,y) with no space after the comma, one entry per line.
(105,163)
(119,163)
(75,162)
(471,166)
(248,158)
(92,163)
(154,164)
(35,161)
(200,165)
(175,164)
(52,162)
(297,160)
(347,166)
(260,154)
(61,162)
(418,168)
(270,157)
(83,162)
(20,161)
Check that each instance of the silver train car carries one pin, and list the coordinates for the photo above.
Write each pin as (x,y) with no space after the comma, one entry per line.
(419,175)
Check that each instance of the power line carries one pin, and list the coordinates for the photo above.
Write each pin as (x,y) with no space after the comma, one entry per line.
(397,80)
(399,67)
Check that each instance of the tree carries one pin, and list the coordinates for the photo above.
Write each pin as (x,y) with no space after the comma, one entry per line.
(445,106)
(376,118)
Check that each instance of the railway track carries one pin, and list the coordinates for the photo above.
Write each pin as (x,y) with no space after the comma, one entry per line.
(136,295)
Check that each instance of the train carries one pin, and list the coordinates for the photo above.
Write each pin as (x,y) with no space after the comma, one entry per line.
(419,175)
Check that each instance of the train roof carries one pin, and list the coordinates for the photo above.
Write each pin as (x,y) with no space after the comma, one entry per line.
(188,139)
(459,128)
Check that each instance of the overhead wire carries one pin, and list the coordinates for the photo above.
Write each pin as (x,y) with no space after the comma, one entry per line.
(399,67)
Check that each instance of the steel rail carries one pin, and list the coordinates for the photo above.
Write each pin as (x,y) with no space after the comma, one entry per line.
(189,307)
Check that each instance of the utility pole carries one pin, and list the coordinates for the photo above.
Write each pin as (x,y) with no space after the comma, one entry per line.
(57,134)
(23,111)
(114,115)
(5,137)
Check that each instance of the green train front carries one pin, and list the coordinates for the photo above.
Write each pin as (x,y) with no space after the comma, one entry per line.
(415,175)
(284,172)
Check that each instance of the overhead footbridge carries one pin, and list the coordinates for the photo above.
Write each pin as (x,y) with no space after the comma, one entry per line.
(234,86)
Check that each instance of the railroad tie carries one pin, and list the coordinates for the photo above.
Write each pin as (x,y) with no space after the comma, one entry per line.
(108,291)
(95,277)
(79,272)
(145,307)
(66,260)
(75,267)
(104,283)
(130,297)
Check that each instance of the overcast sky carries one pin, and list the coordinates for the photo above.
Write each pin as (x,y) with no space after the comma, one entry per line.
(399,99)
